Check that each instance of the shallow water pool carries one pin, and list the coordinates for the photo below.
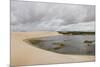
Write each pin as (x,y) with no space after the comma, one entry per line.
(66,44)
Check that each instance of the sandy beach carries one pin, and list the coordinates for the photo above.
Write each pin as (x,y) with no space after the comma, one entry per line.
(23,53)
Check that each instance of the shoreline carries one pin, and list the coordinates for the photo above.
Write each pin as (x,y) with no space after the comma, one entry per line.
(23,53)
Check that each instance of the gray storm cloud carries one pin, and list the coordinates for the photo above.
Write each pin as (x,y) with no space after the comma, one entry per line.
(38,16)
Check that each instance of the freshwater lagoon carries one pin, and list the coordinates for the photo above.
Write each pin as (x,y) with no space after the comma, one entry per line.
(66,44)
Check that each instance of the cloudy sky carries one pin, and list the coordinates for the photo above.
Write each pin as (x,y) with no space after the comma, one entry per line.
(39,16)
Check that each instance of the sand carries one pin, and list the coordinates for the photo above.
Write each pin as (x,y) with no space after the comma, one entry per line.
(22,53)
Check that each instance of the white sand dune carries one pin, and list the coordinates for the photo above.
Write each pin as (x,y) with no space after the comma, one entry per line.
(24,54)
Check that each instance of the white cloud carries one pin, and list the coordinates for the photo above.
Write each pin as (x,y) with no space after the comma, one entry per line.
(32,16)
(88,27)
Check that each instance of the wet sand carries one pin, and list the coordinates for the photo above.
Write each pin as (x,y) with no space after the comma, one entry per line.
(23,53)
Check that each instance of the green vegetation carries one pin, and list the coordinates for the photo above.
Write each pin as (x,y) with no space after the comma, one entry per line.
(56,48)
(77,33)
(32,41)
(87,41)
(60,45)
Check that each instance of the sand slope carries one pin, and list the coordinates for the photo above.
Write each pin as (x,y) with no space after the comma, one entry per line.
(24,54)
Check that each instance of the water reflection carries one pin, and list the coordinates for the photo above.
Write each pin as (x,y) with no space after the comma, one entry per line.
(66,44)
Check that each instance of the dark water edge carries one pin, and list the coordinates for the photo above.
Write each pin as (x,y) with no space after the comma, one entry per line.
(66,44)
(77,33)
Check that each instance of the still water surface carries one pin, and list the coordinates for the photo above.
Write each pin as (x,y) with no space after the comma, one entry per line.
(67,44)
